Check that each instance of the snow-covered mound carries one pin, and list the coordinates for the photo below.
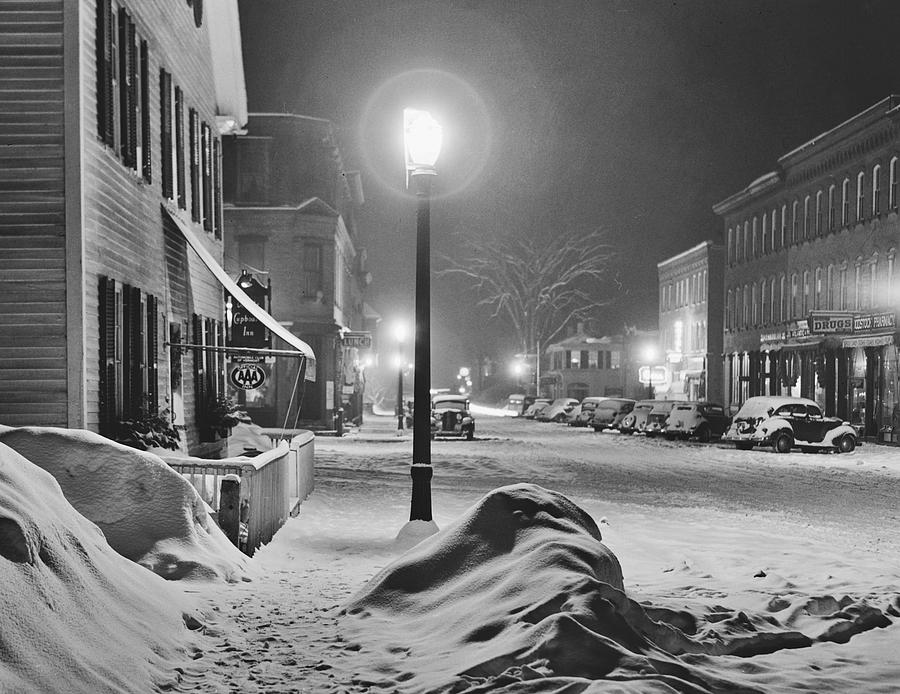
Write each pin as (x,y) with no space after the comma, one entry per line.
(76,616)
(520,594)
(147,511)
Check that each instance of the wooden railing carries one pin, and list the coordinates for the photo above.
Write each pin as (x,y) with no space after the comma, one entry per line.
(273,484)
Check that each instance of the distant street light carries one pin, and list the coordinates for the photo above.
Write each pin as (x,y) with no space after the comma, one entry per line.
(650,354)
(400,336)
(422,141)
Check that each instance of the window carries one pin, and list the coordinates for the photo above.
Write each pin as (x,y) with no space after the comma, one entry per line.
(845,202)
(876,190)
(806,217)
(782,298)
(730,245)
(783,241)
(860,195)
(312,271)
(772,300)
(729,310)
(805,299)
(206,177)
(794,221)
(179,149)
(745,307)
(765,234)
(122,93)
(830,288)
(831,217)
(165,134)
(842,293)
(763,302)
(129,346)
(593,361)
(754,246)
(738,304)
(818,228)
(795,296)
(195,164)
(209,372)
(583,359)
(818,293)
(892,191)
(754,307)
(744,255)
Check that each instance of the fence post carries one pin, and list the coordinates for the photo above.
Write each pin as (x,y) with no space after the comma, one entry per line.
(230,507)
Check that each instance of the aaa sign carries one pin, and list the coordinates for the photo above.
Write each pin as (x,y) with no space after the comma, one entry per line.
(247,376)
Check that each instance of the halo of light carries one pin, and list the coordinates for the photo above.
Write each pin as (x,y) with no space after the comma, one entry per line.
(453,102)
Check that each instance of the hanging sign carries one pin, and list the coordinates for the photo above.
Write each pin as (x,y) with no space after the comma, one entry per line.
(247,376)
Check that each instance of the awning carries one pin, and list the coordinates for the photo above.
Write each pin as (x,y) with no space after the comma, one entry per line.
(239,294)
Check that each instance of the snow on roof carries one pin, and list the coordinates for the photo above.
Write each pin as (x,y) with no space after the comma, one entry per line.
(148,512)
(76,616)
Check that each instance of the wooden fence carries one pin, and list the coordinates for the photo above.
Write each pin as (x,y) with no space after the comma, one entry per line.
(273,484)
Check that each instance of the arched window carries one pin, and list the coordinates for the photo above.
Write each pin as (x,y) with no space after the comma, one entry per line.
(843,287)
(754,245)
(763,302)
(745,307)
(794,221)
(730,245)
(806,217)
(892,191)
(857,284)
(831,218)
(784,221)
(729,310)
(845,202)
(772,227)
(772,299)
(795,296)
(754,307)
(876,190)
(860,195)
(782,298)
(831,288)
(805,304)
(738,295)
(763,246)
(744,255)
(818,213)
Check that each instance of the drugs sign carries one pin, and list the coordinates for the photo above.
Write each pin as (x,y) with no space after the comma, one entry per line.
(247,376)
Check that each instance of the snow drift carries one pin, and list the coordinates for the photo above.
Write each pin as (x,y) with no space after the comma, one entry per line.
(520,594)
(147,511)
(77,616)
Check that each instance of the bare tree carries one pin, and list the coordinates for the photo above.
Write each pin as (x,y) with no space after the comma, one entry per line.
(538,286)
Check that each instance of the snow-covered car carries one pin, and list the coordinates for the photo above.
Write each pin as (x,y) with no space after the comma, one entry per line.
(535,407)
(658,416)
(450,416)
(700,420)
(557,410)
(635,420)
(610,411)
(785,422)
(585,412)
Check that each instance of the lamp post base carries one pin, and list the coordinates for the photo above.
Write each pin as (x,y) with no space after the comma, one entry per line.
(420,503)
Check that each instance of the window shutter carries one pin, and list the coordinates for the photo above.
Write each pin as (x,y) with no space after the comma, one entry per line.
(217,187)
(133,357)
(206,159)
(211,359)
(194,137)
(105,105)
(107,394)
(126,87)
(200,393)
(179,147)
(152,359)
(165,108)
(145,113)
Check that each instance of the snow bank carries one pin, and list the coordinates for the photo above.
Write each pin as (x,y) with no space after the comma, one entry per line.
(76,616)
(147,511)
(522,589)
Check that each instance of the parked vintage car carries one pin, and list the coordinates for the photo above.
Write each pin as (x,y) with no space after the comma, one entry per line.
(557,410)
(700,420)
(535,407)
(635,420)
(450,416)
(659,416)
(611,411)
(518,403)
(585,412)
(786,422)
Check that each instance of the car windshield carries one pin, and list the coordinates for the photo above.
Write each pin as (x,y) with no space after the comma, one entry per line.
(684,408)
(450,405)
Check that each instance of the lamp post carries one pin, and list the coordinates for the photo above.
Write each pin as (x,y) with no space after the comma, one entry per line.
(650,357)
(422,141)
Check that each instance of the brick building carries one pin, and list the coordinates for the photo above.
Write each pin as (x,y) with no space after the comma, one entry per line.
(810,285)
(690,322)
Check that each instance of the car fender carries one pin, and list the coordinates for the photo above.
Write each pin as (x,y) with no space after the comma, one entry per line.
(834,435)
(771,427)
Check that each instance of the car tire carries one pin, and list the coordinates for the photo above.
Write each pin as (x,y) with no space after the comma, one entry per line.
(782,442)
(743,445)
(846,444)
(703,434)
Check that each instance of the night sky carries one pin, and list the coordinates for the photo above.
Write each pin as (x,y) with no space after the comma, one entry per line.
(627,118)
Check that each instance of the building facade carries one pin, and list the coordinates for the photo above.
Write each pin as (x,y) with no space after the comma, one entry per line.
(290,216)
(111,232)
(691,309)
(810,280)
(583,365)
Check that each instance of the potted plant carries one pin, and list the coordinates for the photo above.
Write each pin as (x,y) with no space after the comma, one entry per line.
(148,430)
(223,415)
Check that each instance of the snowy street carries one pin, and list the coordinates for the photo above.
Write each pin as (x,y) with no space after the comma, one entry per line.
(702,528)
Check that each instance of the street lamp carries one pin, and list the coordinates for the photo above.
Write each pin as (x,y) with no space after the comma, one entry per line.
(399,335)
(650,357)
(422,142)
